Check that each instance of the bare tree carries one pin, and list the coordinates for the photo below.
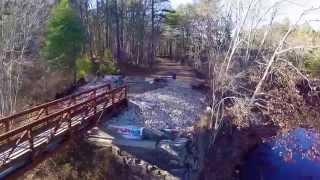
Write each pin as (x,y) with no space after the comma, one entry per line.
(233,41)
(248,22)
(19,21)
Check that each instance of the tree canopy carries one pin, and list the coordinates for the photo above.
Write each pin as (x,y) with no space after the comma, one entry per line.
(64,38)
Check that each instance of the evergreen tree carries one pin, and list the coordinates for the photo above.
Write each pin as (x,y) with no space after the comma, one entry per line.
(64,39)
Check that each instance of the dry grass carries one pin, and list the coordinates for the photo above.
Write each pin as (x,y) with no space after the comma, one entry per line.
(40,85)
(82,161)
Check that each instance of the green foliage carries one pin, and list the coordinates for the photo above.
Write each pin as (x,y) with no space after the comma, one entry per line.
(180,18)
(173,19)
(64,38)
(312,62)
(108,69)
(108,65)
(84,67)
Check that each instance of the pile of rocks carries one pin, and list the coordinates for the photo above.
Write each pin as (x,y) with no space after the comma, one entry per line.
(165,113)
(176,106)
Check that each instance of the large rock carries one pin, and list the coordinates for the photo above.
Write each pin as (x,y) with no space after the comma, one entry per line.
(155,135)
(177,148)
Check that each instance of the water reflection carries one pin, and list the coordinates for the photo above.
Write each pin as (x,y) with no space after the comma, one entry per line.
(292,156)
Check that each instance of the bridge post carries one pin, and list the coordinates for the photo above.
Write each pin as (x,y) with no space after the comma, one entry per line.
(69,119)
(46,111)
(126,91)
(31,142)
(95,101)
(7,128)
(73,100)
(7,125)
(113,100)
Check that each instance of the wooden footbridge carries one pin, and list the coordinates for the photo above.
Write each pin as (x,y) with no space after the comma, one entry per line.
(31,135)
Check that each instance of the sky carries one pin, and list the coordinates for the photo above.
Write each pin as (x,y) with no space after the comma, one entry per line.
(294,9)
(291,10)
(176,3)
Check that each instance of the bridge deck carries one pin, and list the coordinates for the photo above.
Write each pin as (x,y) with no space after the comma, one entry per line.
(25,136)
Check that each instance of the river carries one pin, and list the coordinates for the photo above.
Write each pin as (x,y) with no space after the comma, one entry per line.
(293,156)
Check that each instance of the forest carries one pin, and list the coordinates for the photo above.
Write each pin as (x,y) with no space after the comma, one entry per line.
(260,69)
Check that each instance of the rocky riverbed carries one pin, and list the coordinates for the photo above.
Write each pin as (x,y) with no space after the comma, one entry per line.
(166,110)
(171,105)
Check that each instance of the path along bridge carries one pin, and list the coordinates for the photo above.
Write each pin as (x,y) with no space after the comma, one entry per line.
(28,137)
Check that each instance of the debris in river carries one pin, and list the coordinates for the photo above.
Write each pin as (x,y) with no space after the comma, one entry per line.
(176,148)
(176,106)
(128,132)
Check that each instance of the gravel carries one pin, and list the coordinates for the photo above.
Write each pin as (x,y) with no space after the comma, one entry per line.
(175,106)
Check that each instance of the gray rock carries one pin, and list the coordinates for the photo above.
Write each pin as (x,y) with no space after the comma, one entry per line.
(123,153)
(136,169)
(151,168)
(156,172)
(154,134)
(176,106)
(115,150)
(160,80)
(179,172)
(177,148)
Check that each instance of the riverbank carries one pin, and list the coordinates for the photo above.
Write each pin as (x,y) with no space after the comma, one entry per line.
(286,102)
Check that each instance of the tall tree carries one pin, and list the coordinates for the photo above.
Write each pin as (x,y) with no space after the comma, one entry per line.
(131,28)
(116,9)
(64,39)
(152,30)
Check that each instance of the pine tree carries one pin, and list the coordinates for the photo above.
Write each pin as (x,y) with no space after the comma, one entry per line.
(64,39)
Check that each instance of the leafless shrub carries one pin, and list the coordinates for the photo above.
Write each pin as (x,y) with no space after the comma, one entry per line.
(247,20)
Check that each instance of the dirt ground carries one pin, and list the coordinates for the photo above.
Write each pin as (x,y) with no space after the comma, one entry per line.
(163,67)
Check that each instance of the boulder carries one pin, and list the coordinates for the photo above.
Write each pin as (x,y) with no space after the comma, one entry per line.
(155,135)
(160,80)
(176,148)
(201,86)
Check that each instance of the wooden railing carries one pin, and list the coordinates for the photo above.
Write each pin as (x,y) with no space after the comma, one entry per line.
(27,134)
(27,116)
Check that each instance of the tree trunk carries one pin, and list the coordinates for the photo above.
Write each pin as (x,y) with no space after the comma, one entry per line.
(170,48)
(117,29)
(107,25)
(152,31)
(122,25)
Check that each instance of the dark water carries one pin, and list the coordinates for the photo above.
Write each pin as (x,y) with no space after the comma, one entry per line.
(291,156)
